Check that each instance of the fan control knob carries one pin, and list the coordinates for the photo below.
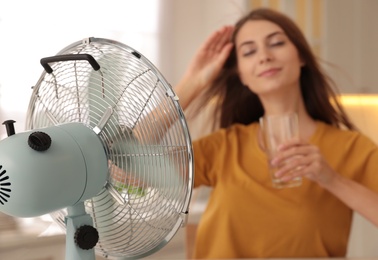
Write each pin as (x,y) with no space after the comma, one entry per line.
(39,141)
(86,237)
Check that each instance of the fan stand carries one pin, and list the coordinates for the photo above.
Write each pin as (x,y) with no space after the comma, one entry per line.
(81,236)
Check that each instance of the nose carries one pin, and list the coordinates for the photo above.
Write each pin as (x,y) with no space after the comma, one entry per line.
(265,55)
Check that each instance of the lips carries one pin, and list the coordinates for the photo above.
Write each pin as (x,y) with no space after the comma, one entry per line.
(269,72)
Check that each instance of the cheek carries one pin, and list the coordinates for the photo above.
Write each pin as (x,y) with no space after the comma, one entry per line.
(293,59)
(295,70)
(246,72)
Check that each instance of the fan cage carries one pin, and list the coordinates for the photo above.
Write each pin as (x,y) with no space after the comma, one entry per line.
(145,137)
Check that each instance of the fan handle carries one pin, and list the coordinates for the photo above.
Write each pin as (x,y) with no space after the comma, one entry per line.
(68,57)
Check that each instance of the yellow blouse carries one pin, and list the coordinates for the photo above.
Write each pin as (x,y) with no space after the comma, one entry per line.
(247,218)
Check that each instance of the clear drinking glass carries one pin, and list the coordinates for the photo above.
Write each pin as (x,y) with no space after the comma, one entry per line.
(277,129)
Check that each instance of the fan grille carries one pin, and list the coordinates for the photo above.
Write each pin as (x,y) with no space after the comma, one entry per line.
(145,138)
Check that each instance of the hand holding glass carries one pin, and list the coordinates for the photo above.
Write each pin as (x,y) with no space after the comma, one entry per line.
(276,130)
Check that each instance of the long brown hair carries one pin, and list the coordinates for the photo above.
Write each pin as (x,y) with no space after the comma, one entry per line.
(236,103)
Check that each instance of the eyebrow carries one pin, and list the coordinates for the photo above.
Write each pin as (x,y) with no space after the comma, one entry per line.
(267,37)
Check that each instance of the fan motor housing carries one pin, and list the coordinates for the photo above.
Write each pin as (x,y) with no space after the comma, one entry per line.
(73,169)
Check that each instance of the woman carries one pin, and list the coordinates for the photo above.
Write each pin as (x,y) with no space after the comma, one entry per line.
(268,68)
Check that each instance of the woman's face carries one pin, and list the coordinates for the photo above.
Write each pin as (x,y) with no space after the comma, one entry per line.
(268,62)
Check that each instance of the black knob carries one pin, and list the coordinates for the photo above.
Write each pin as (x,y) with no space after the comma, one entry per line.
(9,124)
(86,237)
(39,141)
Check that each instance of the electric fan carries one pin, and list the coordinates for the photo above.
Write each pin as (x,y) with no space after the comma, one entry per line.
(107,153)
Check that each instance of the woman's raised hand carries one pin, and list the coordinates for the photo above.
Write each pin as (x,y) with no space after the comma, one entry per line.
(205,66)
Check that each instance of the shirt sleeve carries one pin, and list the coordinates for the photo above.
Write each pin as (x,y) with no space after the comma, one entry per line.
(366,155)
(351,153)
(209,154)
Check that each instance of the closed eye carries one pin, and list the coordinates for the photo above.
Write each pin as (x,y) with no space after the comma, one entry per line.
(249,53)
(277,44)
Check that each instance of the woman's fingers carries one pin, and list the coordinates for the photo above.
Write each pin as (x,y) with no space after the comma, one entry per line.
(218,39)
(224,38)
(301,159)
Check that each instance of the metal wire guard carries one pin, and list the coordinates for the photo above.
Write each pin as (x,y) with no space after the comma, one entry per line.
(145,137)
